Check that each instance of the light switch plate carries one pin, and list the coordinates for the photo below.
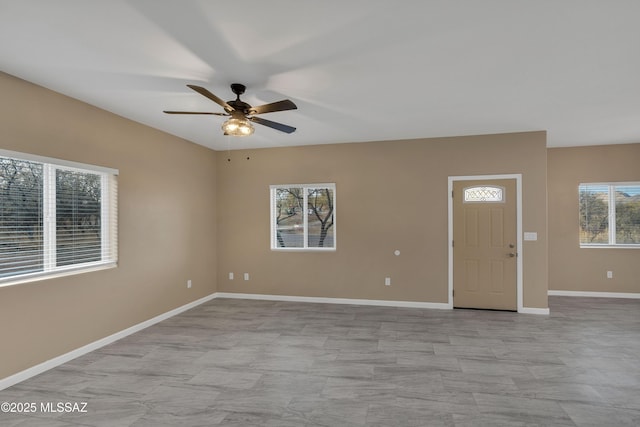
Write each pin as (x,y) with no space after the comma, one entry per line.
(530,235)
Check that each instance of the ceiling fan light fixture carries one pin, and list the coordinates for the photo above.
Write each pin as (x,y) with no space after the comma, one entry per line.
(237,127)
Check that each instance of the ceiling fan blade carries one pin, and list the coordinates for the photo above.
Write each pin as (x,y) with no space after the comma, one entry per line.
(194,112)
(283,105)
(274,125)
(204,92)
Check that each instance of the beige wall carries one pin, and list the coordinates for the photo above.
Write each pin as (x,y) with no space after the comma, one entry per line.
(390,195)
(572,268)
(185,212)
(167,232)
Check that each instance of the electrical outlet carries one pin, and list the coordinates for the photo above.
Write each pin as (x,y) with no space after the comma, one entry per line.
(387,281)
(189,284)
(609,274)
(231,276)
(246,276)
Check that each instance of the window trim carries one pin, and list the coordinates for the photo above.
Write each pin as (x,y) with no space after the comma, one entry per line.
(109,231)
(273,232)
(611,201)
(84,167)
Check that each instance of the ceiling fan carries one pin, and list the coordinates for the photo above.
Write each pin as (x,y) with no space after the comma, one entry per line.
(241,113)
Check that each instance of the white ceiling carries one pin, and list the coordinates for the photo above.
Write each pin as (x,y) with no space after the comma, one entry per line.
(359,70)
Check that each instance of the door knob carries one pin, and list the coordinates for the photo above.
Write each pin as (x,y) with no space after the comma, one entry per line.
(511,255)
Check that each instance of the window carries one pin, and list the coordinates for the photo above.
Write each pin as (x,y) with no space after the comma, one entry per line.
(609,214)
(484,194)
(56,217)
(303,217)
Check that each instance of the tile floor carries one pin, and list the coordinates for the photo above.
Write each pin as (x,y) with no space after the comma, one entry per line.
(263,363)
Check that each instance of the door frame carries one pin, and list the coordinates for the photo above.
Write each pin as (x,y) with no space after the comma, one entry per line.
(519,258)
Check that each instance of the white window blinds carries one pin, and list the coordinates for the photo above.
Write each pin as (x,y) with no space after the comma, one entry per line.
(54,217)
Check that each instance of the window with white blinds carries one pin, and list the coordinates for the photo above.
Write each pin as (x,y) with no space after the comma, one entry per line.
(56,217)
(303,217)
(609,215)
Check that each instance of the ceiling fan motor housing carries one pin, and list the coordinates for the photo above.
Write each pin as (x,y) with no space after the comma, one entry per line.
(239,107)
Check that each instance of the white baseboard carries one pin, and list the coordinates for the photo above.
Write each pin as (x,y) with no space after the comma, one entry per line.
(384,303)
(594,294)
(57,361)
(532,310)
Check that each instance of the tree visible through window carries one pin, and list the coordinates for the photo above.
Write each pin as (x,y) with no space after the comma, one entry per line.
(53,217)
(78,217)
(21,217)
(609,214)
(303,216)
